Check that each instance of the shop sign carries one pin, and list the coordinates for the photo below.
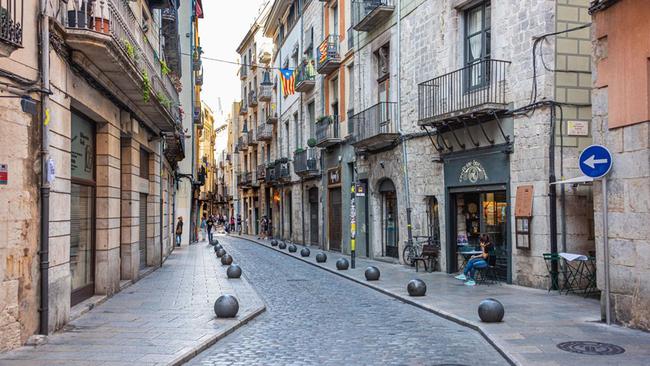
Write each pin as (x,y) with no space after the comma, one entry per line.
(473,172)
(82,155)
(334,176)
(361,190)
(578,128)
(4,178)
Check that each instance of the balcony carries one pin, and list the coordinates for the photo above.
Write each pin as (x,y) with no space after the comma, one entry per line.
(242,142)
(251,137)
(306,76)
(174,147)
(11,26)
(305,163)
(109,45)
(266,92)
(282,170)
(370,14)
(243,110)
(272,118)
(245,179)
(252,98)
(261,172)
(375,128)
(470,94)
(329,58)
(270,177)
(328,131)
(243,72)
(265,132)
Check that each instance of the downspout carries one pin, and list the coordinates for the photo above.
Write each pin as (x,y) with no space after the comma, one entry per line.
(302,118)
(160,178)
(407,198)
(193,88)
(552,195)
(45,184)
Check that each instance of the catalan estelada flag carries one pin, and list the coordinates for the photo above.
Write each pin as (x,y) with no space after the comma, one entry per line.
(288,80)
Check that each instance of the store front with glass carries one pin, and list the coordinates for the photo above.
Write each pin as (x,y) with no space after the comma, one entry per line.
(82,209)
(478,203)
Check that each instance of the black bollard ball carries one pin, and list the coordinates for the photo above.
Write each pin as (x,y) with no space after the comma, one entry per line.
(342,264)
(372,273)
(321,258)
(226,260)
(234,271)
(304,252)
(491,311)
(282,245)
(217,247)
(293,248)
(226,306)
(221,252)
(416,287)
(274,243)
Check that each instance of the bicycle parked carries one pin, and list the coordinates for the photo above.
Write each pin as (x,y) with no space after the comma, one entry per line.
(414,249)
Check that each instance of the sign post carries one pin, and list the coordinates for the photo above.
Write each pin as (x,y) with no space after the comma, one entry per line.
(596,161)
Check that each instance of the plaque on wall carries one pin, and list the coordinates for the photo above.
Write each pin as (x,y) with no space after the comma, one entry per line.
(524,201)
(334,176)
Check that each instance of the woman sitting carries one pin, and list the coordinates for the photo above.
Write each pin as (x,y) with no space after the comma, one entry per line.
(475,262)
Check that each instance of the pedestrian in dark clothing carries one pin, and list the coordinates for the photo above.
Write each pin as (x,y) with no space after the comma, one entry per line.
(179,231)
(239,224)
(209,224)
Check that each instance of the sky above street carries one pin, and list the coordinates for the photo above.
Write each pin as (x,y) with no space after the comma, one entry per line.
(223,28)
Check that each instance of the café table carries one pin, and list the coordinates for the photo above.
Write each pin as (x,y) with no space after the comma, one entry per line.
(580,273)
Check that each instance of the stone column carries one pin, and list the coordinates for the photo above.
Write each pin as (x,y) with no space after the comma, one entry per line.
(153,208)
(129,216)
(107,255)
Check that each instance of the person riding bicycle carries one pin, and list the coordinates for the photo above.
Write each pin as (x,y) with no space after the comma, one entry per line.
(475,262)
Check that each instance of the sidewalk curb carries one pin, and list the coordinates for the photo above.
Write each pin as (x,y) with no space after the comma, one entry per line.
(195,351)
(441,313)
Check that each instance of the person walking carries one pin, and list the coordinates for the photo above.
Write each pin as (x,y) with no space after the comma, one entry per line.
(239,224)
(209,224)
(179,231)
(232,223)
(264,223)
(203,227)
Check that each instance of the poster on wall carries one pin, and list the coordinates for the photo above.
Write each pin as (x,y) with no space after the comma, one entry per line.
(83,149)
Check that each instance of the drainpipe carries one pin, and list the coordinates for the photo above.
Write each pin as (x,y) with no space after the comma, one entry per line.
(552,195)
(45,184)
(162,250)
(409,228)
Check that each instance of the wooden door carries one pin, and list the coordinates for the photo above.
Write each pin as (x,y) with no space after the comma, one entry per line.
(335,223)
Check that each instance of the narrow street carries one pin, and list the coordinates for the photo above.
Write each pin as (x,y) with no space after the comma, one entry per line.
(316,318)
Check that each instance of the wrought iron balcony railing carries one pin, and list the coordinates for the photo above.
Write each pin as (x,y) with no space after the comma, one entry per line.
(369,14)
(474,90)
(261,172)
(243,142)
(251,137)
(270,173)
(243,72)
(266,92)
(306,76)
(328,131)
(11,25)
(252,98)
(329,57)
(272,118)
(243,109)
(375,127)
(264,132)
(305,162)
(282,169)
(350,38)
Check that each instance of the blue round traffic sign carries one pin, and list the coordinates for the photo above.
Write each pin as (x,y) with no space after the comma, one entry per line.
(595,161)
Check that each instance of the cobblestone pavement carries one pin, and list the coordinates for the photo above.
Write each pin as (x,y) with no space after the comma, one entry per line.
(316,318)
(163,319)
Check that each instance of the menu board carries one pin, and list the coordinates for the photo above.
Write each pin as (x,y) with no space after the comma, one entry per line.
(82,160)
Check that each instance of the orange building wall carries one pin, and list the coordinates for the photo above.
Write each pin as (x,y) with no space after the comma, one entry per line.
(623,34)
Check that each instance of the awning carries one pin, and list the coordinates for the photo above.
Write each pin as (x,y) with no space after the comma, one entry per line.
(578,180)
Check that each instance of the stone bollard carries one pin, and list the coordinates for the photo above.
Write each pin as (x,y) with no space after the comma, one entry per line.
(226,306)
(342,264)
(293,248)
(372,273)
(282,245)
(304,252)
(221,252)
(416,287)
(226,260)
(234,271)
(274,243)
(491,311)
(217,247)
(321,258)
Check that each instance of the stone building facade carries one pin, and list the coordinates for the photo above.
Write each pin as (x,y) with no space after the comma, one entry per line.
(110,111)
(620,122)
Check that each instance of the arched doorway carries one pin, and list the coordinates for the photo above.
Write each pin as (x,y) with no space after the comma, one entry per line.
(389,226)
(313,215)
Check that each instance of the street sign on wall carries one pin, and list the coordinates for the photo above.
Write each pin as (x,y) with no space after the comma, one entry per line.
(595,161)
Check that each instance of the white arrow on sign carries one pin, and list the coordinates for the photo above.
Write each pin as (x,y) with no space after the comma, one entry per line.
(592,161)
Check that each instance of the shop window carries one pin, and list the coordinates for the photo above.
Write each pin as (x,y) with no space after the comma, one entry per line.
(144,164)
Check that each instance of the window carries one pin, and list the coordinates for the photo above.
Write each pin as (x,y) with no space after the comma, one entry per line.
(383,62)
(311,111)
(296,131)
(309,48)
(294,56)
(334,96)
(144,164)
(350,103)
(335,19)
(477,44)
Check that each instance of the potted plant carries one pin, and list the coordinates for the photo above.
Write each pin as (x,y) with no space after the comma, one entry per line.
(311,142)
(324,119)
(146,86)
(299,150)
(102,25)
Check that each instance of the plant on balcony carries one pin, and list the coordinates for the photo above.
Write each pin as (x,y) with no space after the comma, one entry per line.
(178,85)
(299,150)
(164,68)
(311,142)
(130,49)
(164,100)
(324,119)
(146,86)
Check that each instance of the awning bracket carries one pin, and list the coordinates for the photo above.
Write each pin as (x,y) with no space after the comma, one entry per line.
(477,144)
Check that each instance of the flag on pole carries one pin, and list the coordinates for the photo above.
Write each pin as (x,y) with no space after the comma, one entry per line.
(288,80)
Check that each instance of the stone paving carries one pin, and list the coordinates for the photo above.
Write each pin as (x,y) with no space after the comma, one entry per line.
(317,318)
(164,319)
(535,322)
